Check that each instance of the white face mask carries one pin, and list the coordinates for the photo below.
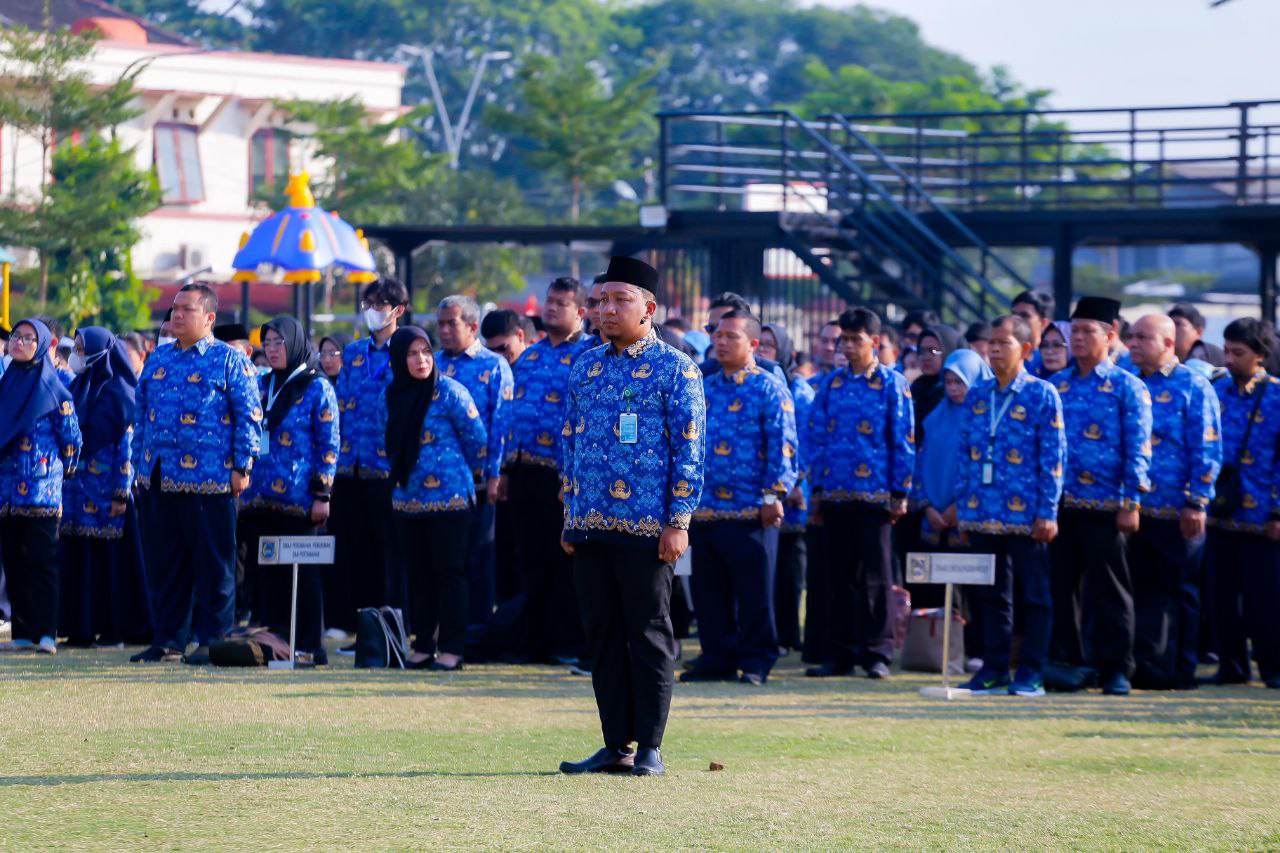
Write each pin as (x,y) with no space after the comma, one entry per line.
(165,339)
(264,369)
(376,320)
(77,363)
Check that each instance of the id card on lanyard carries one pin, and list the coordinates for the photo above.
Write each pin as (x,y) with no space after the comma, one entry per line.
(628,421)
(988,461)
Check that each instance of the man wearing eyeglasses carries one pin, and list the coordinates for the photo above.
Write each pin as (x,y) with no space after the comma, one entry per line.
(721,305)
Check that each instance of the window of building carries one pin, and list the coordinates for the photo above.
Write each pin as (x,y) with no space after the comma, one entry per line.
(268,159)
(177,162)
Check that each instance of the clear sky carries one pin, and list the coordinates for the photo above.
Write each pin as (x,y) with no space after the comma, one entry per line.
(1095,53)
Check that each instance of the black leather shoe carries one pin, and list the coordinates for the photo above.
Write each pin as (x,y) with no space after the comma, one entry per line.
(607,760)
(1116,684)
(755,679)
(425,663)
(878,670)
(1221,679)
(436,666)
(156,654)
(704,674)
(648,762)
(1272,682)
(828,670)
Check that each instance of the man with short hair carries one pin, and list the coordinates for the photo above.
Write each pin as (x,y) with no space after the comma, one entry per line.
(592,317)
(1165,554)
(1009,470)
(721,305)
(827,350)
(978,337)
(488,377)
(1189,339)
(1108,422)
(506,333)
(889,352)
(633,471)
(861,428)
(197,433)
(751,430)
(1037,308)
(916,321)
(532,468)
(1244,536)
(236,336)
(367,559)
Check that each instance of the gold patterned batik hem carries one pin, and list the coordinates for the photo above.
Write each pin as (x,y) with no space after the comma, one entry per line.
(880,498)
(1109,505)
(1238,526)
(727,514)
(275,506)
(424,507)
(995,528)
(1164,513)
(373,474)
(208,487)
(596,520)
(31,511)
(89,532)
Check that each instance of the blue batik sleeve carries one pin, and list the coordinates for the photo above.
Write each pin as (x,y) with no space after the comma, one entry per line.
(245,405)
(1053,455)
(325,438)
(780,440)
(902,437)
(467,423)
(1137,439)
(687,426)
(503,390)
(66,426)
(818,437)
(122,466)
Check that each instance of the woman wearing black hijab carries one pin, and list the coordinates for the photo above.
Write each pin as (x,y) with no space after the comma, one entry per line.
(331,347)
(99,568)
(435,440)
(39,443)
(289,492)
(927,391)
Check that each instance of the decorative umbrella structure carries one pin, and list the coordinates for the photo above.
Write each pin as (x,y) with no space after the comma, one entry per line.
(6,260)
(304,240)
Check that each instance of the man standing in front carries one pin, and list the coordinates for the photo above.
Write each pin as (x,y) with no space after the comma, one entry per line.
(1244,540)
(633,470)
(198,430)
(1008,482)
(861,429)
(1108,420)
(532,469)
(1166,554)
(751,433)
(488,377)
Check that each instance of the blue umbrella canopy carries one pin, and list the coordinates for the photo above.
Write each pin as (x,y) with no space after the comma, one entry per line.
(6,257)
(304,240)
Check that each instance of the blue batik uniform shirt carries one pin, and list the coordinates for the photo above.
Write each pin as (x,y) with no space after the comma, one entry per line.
(487,376)
(1186,441)
(1257,463)
(101,478)
(366,373)
(802,396)
(198,416)
(301,455)
(33,465)
(1027,456)
(1108,420)
(751,443)
(862,436)
(536,411)
(453,443)
(621,491)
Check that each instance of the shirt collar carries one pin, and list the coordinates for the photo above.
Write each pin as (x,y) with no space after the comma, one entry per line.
(473,348)
(201,346)
(636,349)
(867,374)
(1019,382)
(1168,367)
(1252,385)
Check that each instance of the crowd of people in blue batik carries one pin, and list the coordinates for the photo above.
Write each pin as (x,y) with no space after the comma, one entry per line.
(1125,477)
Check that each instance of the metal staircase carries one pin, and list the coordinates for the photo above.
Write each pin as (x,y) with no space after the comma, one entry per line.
(850,212)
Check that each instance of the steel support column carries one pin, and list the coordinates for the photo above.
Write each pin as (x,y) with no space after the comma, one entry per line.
(1063,285)
(1267,255)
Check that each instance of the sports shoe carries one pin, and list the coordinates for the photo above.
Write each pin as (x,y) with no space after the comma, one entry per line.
(348,651)
(987,683)
(1116,684)
(156,654)
(47,646)
(1027,682)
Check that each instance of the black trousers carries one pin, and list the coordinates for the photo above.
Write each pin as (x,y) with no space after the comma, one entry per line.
(860,556)
(1246,573)
(29,549)
(1166,604)
(624,590)
(1093,619)
(733,585)
(366,546)
(817,595)
(1022,565)
(554,622)
(191,562)
(89,590)
(273,585)
(506,554)
(793,555)
(481,558)
(434,546)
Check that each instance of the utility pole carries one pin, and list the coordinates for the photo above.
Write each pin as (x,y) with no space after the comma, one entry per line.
(454,133)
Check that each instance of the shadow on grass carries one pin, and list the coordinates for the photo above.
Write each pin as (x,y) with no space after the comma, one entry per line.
(183,776)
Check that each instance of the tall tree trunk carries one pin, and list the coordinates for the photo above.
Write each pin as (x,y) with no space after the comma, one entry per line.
(575,196)
(44,281)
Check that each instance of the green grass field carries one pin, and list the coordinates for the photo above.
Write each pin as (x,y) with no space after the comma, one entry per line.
(98,753)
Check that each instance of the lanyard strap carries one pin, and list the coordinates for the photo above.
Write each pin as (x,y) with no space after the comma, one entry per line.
(272,394)
(996,419)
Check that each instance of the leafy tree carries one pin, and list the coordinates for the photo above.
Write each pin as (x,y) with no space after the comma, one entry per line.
(47,98)
(194,20)
(572,127)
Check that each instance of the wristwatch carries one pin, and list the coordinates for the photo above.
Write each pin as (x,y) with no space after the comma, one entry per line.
(770,499)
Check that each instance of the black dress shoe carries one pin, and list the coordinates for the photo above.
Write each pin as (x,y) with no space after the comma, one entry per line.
(648,762)
(436,666)
(156,654)
(755,679)
(1272,682)
(1116,684)
(425,663)
(878,670)
(607,760)
(198,657)
(829,670)
(707,674)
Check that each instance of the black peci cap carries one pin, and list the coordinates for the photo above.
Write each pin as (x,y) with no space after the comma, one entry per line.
(632,271)
(1100,308)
